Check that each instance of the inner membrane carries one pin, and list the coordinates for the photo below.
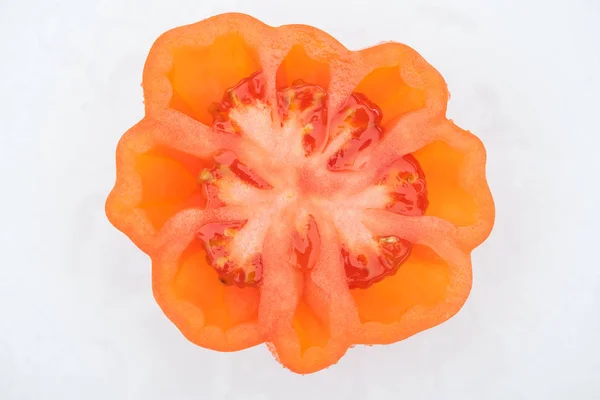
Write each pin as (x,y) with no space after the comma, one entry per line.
(295,132)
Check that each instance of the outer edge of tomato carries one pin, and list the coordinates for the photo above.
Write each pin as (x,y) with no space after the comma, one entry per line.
(170,130)
(186,316)
(156,85)
(310,361)
(454,247)
(272,44)
(414,70)
(474,181)
(420,318)
(166,245)
(121,204)
(430,124)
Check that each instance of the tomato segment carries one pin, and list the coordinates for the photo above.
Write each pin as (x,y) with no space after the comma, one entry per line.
(248,91)
(217,239)
(227,168)
(374,264)
(228,159)
(357,124)
(408,188)
(305,106)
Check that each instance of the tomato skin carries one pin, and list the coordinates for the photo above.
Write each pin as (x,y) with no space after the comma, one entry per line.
(428,204)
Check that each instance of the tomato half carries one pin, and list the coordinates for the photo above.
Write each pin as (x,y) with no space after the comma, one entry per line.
(293,192)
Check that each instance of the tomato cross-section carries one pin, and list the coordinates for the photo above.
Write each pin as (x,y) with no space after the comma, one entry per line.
(293,192)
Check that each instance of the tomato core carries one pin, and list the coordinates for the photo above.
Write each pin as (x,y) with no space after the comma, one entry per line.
(295,166)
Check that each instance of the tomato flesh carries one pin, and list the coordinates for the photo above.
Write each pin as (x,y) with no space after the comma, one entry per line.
(234,248)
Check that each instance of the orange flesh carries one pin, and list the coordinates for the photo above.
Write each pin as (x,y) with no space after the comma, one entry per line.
(311,331)
(222,65)
(422,280)
(297,65)
(448,200)
(198,283)
(168,183)
(385,87)
(222,85)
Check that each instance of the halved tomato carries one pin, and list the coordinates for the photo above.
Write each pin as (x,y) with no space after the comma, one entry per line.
(293,192)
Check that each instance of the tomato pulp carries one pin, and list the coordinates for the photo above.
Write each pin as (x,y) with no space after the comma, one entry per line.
(293,192)
(308,155)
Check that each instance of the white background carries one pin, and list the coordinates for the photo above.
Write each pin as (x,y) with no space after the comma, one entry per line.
(77,317)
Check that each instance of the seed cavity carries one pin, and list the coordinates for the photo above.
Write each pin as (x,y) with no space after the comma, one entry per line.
(306,243)
(218,239)
(206,175)
(389,240)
